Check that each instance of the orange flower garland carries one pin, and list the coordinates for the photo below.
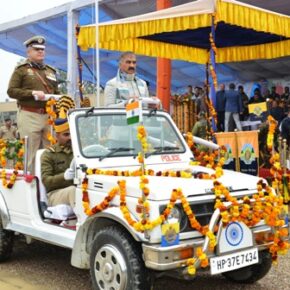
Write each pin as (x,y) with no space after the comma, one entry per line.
(11,181)
(100,207)
(16,155)
(263,205)
(51,118)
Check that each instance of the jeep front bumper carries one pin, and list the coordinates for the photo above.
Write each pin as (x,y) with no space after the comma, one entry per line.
(161,258)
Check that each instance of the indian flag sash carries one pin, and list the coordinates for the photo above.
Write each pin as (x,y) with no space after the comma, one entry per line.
(134,112)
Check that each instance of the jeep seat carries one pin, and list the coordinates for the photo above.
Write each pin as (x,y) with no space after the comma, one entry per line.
(43,202)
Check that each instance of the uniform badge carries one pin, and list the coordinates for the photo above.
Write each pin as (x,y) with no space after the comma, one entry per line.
(30,72)
(50,76)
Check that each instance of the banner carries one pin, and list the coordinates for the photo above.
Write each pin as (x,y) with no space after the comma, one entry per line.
(228,139)
(257,108)
(248,152)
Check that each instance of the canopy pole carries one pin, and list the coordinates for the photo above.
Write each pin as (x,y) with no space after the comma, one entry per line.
(97,54)
(163,68)
(72,79)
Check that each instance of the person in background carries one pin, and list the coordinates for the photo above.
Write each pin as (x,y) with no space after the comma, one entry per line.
(201,105)
(274,95)
(257,97)
(220,108)
(29,83)
(285,95)
(126,84)
(266,95)
(189,93)
(245,102)
(234,107)
(8,132)
(277,112)
(57,168)
(200,127)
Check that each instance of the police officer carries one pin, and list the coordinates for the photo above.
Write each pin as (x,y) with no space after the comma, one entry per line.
(8,132)
(29,83)
(57,170)
(200,128)
(126,84)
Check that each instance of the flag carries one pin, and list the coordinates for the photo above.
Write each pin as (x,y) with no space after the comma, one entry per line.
(134,112)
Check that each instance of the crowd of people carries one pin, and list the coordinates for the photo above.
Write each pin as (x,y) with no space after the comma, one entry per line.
(232,108)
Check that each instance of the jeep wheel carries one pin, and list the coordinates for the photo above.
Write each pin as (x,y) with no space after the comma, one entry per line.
(253,273)
(6,243)
(116,262)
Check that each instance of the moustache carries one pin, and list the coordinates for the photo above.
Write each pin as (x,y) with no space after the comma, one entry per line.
(131,68)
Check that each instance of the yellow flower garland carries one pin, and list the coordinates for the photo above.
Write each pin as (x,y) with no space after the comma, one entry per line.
(18,155)
(267,207)
(51,118)
(272,128)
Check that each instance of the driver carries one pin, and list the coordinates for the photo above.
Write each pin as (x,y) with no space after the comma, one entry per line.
(57,167)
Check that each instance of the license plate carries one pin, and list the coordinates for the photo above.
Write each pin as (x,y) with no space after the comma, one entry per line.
(234,261)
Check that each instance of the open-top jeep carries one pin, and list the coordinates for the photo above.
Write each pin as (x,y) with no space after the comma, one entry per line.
(139,214)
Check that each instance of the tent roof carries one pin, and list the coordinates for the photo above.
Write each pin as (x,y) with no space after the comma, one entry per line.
(243,32)
(53,24)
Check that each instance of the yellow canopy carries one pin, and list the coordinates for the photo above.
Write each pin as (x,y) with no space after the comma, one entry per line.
(243,32)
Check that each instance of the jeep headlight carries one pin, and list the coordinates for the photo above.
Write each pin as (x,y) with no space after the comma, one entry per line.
(177,214)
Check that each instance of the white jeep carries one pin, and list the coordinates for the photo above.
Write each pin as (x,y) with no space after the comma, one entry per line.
(118,255)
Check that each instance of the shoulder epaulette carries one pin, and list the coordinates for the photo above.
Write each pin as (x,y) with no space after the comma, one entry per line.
(22,64)
(51,149)
(52,68)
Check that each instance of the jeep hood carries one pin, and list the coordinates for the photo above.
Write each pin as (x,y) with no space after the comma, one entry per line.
(161,187)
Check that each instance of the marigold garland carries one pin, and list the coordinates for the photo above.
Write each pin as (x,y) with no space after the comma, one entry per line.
(264,205)
(49,108)
(17,155)
(101,206)
(272,128)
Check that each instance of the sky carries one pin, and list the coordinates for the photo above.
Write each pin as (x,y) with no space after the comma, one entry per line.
(9,13)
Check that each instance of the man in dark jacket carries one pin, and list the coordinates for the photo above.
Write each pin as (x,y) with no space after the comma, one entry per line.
(220,108)
(234,107)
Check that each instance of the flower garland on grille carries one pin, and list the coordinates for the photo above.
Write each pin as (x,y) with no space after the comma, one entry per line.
(263,205)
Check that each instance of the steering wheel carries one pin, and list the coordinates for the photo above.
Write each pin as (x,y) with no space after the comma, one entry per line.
(95,150)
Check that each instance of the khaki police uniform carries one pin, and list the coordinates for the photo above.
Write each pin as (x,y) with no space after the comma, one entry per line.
(54,161)
(31,116)
(8,133)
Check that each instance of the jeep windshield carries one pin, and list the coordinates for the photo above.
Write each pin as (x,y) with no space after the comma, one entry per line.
(108,135)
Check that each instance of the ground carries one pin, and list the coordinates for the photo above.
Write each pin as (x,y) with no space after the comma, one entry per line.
(41,266)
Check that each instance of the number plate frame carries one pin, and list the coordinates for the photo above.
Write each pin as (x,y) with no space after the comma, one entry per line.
(234,261)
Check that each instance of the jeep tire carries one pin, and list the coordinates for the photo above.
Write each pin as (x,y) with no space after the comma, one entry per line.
(253,273)
(6,243)
(116,261)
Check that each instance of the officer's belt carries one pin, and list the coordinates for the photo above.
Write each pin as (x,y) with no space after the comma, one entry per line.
(41,111)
